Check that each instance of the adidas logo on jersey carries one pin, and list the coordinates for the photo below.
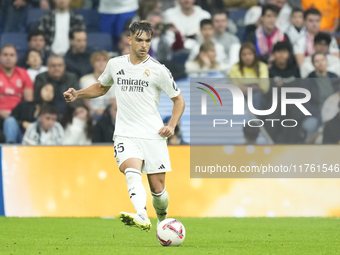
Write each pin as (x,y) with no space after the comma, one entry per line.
(161,167)
(121,72)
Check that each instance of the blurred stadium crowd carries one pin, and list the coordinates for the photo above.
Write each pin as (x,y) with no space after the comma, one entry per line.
(48,46)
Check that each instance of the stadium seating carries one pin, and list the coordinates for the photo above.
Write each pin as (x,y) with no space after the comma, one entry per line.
(99,41)
(238,17)
(91,19)
(17,39)
(34,16)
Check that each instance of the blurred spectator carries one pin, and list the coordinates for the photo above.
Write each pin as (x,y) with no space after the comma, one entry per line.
(77,124)
(297,27)
(84,4)
(77,58)
(13,15)
(124,45)
(35,41)
(105,127)
(251,134)
(248,72)
(229,41)
(241,4)
(24,114)
(15,84)
(305,45)
(97,105)
(60,80)
(320,89)
(114,14)
(205,62)
(46,130)
(207,31)
(176,139)
(284,12)
(165,40)
(167,4)
(34,62)
(283,70)
(266,34)
(186,17)
(331,132)
(2,137)
(57,24)
(330,107)
(146,7)
(321,45)
(330,11)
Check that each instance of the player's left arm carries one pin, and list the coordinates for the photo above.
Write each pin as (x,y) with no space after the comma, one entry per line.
(177,111)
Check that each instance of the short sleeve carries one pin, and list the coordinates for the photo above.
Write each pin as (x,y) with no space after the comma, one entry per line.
(300,45)
(106,78)
(333,47)
(167,83)
(28,84)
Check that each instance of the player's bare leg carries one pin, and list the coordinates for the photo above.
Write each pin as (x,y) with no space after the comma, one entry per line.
(132,170)
(160,197)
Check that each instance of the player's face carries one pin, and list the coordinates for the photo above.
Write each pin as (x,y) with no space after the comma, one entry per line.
(140,45)
(47,121)
(8,57)
(312,23)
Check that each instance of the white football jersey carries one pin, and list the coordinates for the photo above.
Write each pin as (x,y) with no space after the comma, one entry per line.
(138,90)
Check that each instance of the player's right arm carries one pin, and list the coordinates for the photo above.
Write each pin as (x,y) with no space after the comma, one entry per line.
(96,90)
(93,91)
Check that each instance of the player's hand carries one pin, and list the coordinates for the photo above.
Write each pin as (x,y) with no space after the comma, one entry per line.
(70,95)
(167,131)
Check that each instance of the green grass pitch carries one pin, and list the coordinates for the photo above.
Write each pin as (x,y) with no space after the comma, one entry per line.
(95,236)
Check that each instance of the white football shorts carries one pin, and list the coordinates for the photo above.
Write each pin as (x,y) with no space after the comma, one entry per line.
(154,152)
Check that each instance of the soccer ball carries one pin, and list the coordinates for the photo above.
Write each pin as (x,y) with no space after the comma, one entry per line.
(170,232)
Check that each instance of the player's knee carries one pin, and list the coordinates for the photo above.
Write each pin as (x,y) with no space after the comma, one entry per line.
(157,190)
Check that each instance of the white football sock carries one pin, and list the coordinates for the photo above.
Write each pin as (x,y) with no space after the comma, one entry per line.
(136,190)
(160,203)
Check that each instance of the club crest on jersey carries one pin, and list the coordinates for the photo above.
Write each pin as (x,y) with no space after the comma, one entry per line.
(19,83)
(147,73)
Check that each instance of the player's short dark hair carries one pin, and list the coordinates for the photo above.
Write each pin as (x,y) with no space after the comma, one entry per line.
(75,30)
(48,108)
(297,9)
(8,45)
(311,11)
(316,54)
(139,27)
(321,36)
(34,32)
(205,22)
(282,46)
(270,7)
